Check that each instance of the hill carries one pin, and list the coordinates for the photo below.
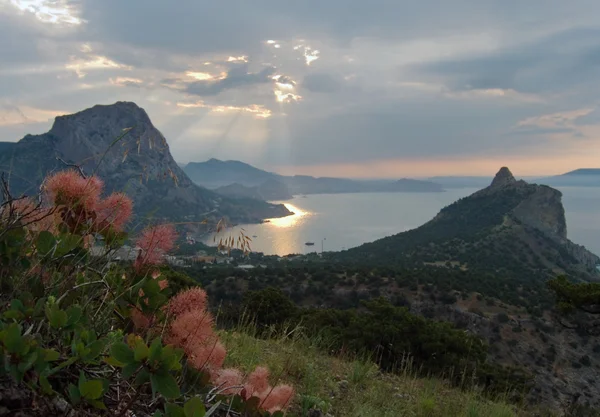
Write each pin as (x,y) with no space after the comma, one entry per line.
(215,174)
(510,227)
(270,190)
(140,164)
(584,177)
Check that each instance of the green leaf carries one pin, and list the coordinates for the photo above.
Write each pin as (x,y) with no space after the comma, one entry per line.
(57,317)
(45,243)
(194,408)
(98,404)
(121,352)
(171,357)
(114,362)
(14,342)
(50,355)
(17,305)
(165,384)
(74,313)
(129,369)
(92,389)
(74,394)
(155,350)
(66,244)
(28,361)
(142,377)
(173,410)
(64,364)
(45,385)
(141,351)
(13,315)
(158,413)
(39,307)
(151,287)
(95,349)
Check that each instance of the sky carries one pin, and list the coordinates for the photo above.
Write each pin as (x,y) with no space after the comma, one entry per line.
(352,88)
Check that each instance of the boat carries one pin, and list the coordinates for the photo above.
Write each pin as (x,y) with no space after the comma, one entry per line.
(310,243)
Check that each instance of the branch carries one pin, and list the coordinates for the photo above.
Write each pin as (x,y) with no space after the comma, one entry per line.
(72,165)
(79,286)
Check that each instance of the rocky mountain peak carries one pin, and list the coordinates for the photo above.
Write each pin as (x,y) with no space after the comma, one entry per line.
(138,163)
(503,178)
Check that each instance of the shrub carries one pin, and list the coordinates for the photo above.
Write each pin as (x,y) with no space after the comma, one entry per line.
(77,326)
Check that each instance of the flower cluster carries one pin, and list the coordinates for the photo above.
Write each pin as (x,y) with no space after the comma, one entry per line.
(192,329)
(81,206)
(153,243)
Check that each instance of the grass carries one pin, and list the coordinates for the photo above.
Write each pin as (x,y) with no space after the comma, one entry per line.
(353,387)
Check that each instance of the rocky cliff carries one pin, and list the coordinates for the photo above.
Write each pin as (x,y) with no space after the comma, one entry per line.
(120,144)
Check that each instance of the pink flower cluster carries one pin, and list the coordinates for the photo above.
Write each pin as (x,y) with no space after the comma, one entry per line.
(192,329)
(154,243)
(256,384)
(82,206)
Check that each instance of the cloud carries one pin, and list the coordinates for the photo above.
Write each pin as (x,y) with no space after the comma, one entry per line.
(316,84)
(236,77)
(321,83)
(552,63)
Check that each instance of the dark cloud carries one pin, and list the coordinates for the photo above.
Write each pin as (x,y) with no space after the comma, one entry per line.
(553,63)
(236,77)
(321,83)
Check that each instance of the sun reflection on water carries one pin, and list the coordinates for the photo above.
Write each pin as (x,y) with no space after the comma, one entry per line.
(289,221)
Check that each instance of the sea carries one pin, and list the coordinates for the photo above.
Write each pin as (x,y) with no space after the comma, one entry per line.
(334,222)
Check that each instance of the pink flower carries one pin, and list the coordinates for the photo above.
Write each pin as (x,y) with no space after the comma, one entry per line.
(278,398)
(207,356)
(186,301)
(190,329)
(154,242)
(115,210)
(70,189)
(258,380)
(229,381)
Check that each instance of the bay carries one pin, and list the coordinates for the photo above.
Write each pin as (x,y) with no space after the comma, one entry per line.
(336,222)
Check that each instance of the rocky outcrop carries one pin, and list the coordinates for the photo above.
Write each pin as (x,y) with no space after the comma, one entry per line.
(543,210)
(119,143)
(503,178)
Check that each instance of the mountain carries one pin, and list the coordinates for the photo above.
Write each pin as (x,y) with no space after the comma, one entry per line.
(215,173)
(510,228)
(415,186)
(584,177)
(140,164)
(270,190)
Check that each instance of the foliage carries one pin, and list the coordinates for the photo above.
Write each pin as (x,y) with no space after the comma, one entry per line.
(572,296)
(104,335)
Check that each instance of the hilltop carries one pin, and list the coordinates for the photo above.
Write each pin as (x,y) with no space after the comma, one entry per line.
(140,164)
(583,177)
